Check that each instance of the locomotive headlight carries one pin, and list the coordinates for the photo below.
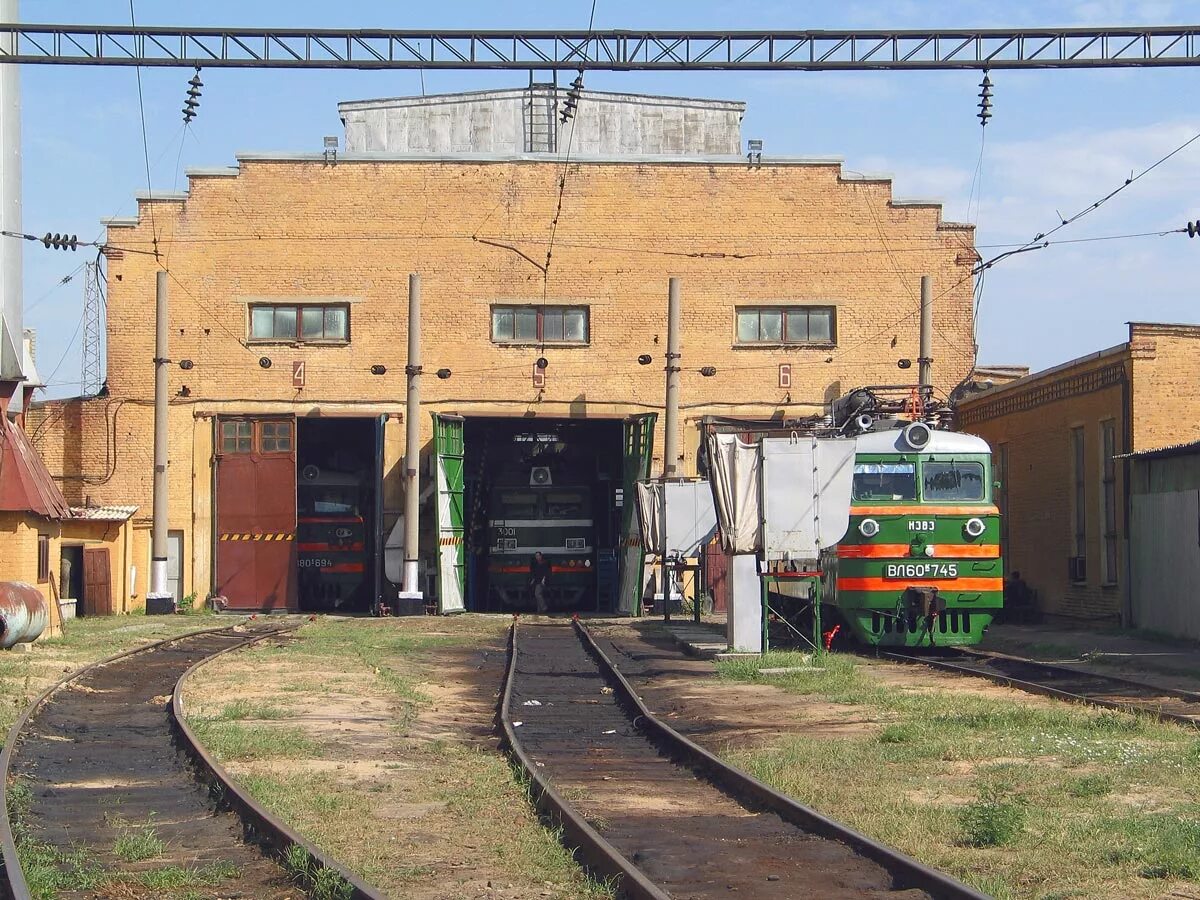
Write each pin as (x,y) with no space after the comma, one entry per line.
(868,528)
(974,527)
(587,563)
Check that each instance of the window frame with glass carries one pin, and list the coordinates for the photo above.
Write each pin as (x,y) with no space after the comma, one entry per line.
(275,437)
(1109,560)
(541,324)
(334,323)
(782,333)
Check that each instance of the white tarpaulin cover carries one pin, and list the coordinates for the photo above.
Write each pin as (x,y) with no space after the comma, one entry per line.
(691,519)
(733,473)
(806,483)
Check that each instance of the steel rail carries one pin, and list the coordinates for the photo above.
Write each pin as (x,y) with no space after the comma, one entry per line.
(14,883)
(590,847)
(612,50)
(1036,687)
(267,827)
(747,789)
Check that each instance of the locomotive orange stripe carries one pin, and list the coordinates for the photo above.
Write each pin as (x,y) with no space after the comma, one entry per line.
(918,510)
(901,551)
(898,584)
(342,568)
(332,547)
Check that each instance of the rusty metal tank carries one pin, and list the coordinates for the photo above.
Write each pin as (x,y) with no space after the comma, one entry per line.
(24,614)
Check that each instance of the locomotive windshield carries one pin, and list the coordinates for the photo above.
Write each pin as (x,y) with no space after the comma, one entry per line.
(952,480)
(327,500)
(566,505)
(885,481)
(519,504)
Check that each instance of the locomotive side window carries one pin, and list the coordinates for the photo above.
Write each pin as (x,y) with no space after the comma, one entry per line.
(952,480)
(885,481)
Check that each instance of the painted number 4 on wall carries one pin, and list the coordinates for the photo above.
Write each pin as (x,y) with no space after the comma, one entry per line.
(298,373)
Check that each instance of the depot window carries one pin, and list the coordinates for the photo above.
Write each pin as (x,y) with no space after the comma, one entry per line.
(951,480)
(540,324)
(304,323)
(885,481)
(786,325)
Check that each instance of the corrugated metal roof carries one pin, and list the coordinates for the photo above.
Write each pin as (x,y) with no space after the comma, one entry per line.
(1157,452)
(25,483)
(103,513)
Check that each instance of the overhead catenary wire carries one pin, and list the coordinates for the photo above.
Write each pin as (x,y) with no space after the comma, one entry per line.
(145,139)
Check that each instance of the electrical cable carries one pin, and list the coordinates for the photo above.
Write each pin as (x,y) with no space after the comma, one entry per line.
(145,140)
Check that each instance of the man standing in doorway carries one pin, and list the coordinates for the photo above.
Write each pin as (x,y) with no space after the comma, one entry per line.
(539,574)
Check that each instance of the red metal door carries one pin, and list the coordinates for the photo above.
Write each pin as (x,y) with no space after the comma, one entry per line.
(97,582)
(716,574)
(256,512)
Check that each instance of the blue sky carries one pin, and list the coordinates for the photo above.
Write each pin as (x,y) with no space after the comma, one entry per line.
(1058,141)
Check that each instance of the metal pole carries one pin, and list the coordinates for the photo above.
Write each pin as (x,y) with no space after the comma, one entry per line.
(925,359)
(670,428)
(11,331)
(158,538)
(412,442)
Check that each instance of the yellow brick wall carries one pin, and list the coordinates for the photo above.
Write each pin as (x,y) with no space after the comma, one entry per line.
(300,230)
(1166,384)
(1040,488)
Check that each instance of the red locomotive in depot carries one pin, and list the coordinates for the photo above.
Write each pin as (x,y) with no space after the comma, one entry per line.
(330,540)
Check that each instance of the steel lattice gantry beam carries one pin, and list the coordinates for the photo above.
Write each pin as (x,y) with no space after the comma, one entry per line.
(612,50)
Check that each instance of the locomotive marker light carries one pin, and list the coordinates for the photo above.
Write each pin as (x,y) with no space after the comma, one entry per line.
(868,528)
(974,527)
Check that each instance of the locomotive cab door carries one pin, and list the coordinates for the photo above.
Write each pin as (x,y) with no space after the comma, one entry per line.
(448,459)
(637,447)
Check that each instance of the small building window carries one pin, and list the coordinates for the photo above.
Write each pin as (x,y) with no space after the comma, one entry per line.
(786,325)
(237,436)
(307,323)
(275,437)
(1078,569)
(540,324)
(1108,499)
(43,572)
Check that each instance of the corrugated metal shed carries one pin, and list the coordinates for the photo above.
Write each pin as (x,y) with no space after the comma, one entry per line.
(25,484)
(1163,452)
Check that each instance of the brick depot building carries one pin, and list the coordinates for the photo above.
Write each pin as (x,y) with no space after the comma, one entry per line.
(1058,438)
(288,286)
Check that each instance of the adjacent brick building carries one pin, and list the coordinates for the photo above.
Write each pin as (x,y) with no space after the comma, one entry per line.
(1055,434)
(288,284)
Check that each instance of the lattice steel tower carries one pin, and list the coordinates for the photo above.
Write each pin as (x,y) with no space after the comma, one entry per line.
(92,371)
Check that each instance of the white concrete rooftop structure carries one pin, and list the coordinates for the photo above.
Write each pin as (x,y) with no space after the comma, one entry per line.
(527,120)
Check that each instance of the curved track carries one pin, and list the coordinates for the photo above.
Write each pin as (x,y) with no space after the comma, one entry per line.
(100,756)
(659,813)
(1065,683)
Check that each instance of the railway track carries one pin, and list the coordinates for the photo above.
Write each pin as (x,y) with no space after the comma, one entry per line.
(661,815)
(104,756)
(1065,683)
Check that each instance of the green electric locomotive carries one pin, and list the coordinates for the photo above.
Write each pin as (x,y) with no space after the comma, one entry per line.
(920,564)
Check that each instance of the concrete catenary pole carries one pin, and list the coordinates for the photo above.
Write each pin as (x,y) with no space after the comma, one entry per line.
(159,596)
(670,427)
(412,442)
(925,359)
(10,207)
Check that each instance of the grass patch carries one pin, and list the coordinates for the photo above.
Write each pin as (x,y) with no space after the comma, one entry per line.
(138,842)
(1009,796)
(244,709)
(49,871)
(318,882)
(178,878)
(236,741)
(995,819)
